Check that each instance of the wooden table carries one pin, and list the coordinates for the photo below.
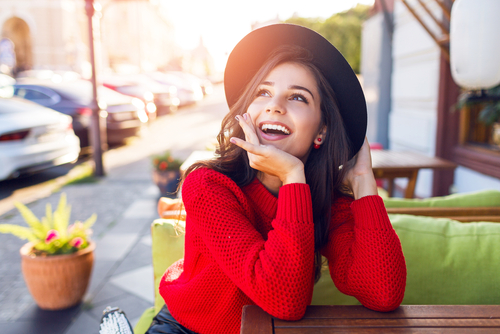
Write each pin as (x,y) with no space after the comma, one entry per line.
(386,164)
(358,319)
(389,165)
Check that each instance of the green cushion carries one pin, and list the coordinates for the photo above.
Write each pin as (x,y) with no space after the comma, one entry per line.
(325,292)
(168,246)
(471,199)
(449,262)
(145,321)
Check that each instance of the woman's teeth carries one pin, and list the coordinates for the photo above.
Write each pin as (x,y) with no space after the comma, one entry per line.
(275,128)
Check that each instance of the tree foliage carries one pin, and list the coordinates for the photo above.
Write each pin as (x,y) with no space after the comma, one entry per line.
(342,30)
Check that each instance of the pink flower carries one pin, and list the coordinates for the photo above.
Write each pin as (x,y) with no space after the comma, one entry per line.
(76,242)
(163,165)
(51,236)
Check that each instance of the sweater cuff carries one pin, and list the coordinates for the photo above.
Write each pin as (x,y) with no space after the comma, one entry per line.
(369,213)
(294,203)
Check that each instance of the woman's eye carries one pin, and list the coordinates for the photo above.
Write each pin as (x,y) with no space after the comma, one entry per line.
(263,92)
(299,97)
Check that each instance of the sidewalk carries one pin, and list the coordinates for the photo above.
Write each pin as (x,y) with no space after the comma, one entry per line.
(125,202)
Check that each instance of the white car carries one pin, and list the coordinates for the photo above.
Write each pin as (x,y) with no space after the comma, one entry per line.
(33,138)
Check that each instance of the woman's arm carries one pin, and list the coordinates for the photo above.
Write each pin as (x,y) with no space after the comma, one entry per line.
(364,253)
(360,176)
(277,273)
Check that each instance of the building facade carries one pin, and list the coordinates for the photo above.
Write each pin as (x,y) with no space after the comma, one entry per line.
(53,34)
(411,98)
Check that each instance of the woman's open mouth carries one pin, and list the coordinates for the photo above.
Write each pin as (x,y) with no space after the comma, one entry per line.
(273,131)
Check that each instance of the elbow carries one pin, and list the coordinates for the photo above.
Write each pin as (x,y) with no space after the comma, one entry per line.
(289,314)
(289,308)
(387,301)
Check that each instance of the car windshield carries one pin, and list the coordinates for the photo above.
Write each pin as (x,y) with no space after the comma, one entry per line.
(81,92)
(131,90)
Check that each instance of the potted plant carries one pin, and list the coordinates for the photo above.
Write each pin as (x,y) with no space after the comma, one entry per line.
(166,173)
(489,101)
(58,258)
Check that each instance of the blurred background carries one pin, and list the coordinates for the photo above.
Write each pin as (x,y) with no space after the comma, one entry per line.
(152,58)
(97,96)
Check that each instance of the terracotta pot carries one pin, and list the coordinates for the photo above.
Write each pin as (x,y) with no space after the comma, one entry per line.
(167,181)
(59,281)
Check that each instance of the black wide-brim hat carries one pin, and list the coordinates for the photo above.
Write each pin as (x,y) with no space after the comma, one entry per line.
(254,49)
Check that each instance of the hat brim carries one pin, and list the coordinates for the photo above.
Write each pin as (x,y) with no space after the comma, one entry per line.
(253,50)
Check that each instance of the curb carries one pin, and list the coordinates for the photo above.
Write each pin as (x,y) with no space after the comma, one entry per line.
(47,188)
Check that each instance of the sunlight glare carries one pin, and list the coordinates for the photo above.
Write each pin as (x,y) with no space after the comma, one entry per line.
(222,23)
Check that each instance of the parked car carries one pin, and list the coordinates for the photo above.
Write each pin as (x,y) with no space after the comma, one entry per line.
(134,90)
(187,92)
(125,116)
(33,138)
(139,85)
(53,96)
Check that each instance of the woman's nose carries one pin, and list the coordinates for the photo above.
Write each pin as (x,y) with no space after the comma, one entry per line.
(275,105)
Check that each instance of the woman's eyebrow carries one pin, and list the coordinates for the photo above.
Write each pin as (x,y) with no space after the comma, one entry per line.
(270,83)
(301,88)
(267,83)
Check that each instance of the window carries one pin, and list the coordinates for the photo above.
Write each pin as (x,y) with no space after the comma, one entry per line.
(478,145)
(35,96)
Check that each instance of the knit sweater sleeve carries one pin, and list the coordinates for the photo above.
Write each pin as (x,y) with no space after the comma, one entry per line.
(277,273)
(364,253)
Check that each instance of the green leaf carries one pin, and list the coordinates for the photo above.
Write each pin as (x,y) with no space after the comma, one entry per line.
(89,222)
(488,115)
(37,227)
(49,222)
(61,216)
(21,232)
(42,246)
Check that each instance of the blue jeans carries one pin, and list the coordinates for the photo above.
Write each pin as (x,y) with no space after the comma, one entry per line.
(164,323)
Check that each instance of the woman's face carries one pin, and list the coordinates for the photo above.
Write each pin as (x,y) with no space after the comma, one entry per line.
(286,110)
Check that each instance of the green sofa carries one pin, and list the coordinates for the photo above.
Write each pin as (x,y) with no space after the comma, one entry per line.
(448,262)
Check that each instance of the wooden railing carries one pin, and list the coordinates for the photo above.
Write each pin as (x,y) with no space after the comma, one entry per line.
(443,40)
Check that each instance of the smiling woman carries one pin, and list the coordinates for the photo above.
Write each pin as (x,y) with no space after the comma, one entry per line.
(260,216)
(288,116)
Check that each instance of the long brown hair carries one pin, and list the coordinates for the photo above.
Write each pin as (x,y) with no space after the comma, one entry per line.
(323,169)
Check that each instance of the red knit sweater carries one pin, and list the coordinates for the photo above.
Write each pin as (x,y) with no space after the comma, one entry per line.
(244,246)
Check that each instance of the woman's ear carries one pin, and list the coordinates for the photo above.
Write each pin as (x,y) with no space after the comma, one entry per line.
(321,135)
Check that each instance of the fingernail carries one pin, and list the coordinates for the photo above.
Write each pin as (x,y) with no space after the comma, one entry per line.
(237,117)
(232,140)
(245,116)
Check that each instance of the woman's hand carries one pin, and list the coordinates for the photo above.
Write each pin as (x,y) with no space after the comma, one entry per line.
(360,177)
(267,158)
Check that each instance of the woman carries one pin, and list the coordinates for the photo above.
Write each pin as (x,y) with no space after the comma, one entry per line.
(287,187)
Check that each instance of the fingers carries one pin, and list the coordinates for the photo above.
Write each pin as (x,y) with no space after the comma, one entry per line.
(248,128)
(247,146)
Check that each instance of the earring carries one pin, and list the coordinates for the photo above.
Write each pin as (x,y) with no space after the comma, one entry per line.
(316,146)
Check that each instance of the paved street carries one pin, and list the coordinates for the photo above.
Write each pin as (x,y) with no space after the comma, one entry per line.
(125,202)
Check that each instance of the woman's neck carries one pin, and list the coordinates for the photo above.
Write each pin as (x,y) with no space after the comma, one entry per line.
(270,182)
